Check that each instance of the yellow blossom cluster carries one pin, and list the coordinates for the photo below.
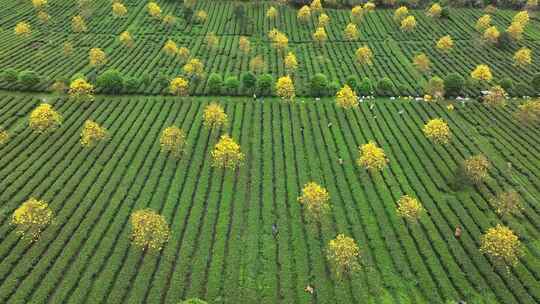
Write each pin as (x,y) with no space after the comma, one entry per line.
(343,253)
(119,9)
(496,96)
(445,44)
(372,157)
(351,32)
(285,88)
(4,136)
(149,230)
(507,203)
(81,90)
(528,113)
(214,116)
(364,55)
(226,153)
(409,208)
(179,86)
(422,63)
(434,11)
(78,25)
(437,130)
(23,29)
(481,73)
(501,244)
(476,168)
(154,10)
(31,218)
(126,39)
(290,62)
(304,14)
(523,57)
(346,98)
(44,119)
(97,57)
(92,133)
(194,68)
(315,200)
(172,140)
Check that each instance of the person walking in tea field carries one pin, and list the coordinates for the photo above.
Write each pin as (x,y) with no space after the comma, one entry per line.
(457,232)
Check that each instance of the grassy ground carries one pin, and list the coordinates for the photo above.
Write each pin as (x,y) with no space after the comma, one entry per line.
(222,248)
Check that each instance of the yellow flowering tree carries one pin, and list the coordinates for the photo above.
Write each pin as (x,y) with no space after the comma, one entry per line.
(154,10)
(78,25)
(31,218)
(422,63)
(172,140)
(44,119)
(364,55)
(501,244)
(304,14)
(372,157)
(521,18)
(23,29)
(482,73)
(437,130)
(257,64)
(92,133)
(43,17)
(169,20)
(507,203)
(179,86)
(4,136)
(434,11)
(291,64)
(212,41)
(183,53)
(515,30)
(346,98)
(445,44)
(149,230)
(227,153)
(214,116)
(409,208)
(491,35)
(285,88)
(400,13)
(320,36)
(496,97)
(528,113)
(67,48)
(324,20)
(351,32)
(244,45)
(357,13)
(315,200)
(97,57)
(81,90)
(39,4)
(170,48)
(280,42)
(271,13)
(476,168)
(408,24)
(201,16)
(522,57)
(126,39)
(343,254)
(316,6)
(483,23)
(369,6)
(194,68)
(119,10)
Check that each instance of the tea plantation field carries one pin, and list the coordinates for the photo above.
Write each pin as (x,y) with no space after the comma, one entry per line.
(393,50)
(222,248)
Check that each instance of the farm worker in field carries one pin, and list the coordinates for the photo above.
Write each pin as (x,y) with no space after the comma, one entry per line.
(457,233)
(274,230)
(329,124)
(340,161)
(309,289)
